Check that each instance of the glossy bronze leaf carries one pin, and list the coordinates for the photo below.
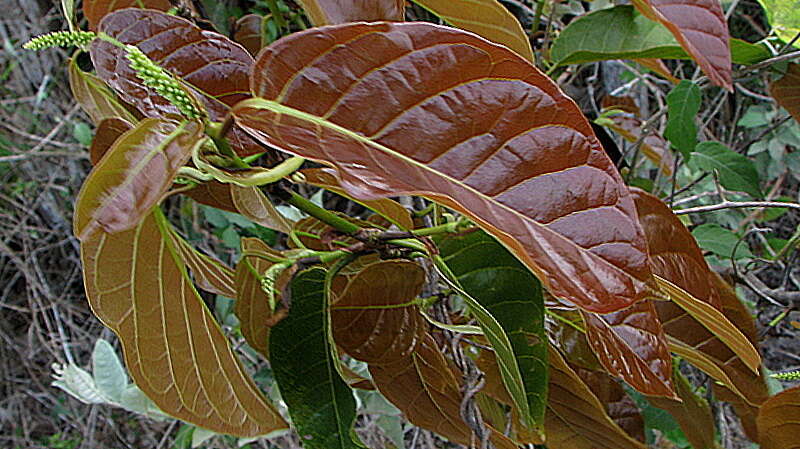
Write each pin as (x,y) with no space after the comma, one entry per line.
(95,10)
(424,388)
(701,29)
(333,12)
(387,208)
(248,32)
(489,19)
(321,405)
(779,421)
(575,418)
(209,273)
(94,97)
(466,123)
(134,175)
(214,67)
(786,90)
(252,306)
(692,413)
(374,319)
(254,205)
(176,353)
(107,132)
(631,345)
(513,296)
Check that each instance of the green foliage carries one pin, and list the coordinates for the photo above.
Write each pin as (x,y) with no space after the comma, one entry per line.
(736,172)
(683,103)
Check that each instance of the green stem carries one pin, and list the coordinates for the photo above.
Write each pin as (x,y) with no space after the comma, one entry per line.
(215,130)
(321,214)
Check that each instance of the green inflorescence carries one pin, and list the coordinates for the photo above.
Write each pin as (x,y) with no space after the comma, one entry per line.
(60,39)
(789,375)
(162,82)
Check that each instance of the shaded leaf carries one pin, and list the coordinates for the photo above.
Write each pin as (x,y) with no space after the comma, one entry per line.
(619,406)
(654,147)
(387,208)
(252,306)
(506,144)
(95,10)
(424,388)
(94,97)
(248,32)
(786,90)
(779,420)
(107,132)
(513,296)
(576,419)
(631,345)
(736,172)
(701,29)
(321,405)
(374,319)
(214,194)
(489,19)
(720,241)
(683,104)
(692,413)
(215,68)
(209,273)
(253,204)
(174,350)
(332,12)
(134,175)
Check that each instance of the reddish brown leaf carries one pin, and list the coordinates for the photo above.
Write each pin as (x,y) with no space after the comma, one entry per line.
(176,353)
(252,304)
(619,406)
(94,97)
(692,413)
(374,319)
(654,147)
(209,273)
(214,194)
(95,10)
(786,91)
(424,388)
(332,12)
(464,122)
(215,67)
(632,345)
(107,132)
(134,175)
(701,29)
(248,31)
(253,204)
(390,209)
(489,19)
(576,419)
(779,421)
(659,67)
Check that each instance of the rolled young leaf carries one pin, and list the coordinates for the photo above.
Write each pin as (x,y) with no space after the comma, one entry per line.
(445,114)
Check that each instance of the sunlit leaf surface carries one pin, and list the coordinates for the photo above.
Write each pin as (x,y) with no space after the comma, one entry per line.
(779,420)
(333,12)
(107,132)
(468,124)
(176,353)
(208,272)
(95,10)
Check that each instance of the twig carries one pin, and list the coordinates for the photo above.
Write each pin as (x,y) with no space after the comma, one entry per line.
(767,63)
(735,205)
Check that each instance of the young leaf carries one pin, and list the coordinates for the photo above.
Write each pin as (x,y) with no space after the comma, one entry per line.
(333,12)
(94,97)
(692,413)
(106,134)
(174,350)
(253,204)
(683,104)
(513,296)
(252,306)
(134,175)
(786,90)
(702,30)
(209,273)
(385,207)
(489,19)
(736,172)
(424,388)
(214,194)
(575,418)
(778,422)
(109,375)
(482,132)
(95,10)
(631,345)
(200,59)
(374,319)
(320,403)
(618,404)
(248,32)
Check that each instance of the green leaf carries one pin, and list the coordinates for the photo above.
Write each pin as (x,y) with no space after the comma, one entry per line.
(513,297)
(784,16)
(622,32)
(320,403)
(736,172)
(683,104)
(720,241)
